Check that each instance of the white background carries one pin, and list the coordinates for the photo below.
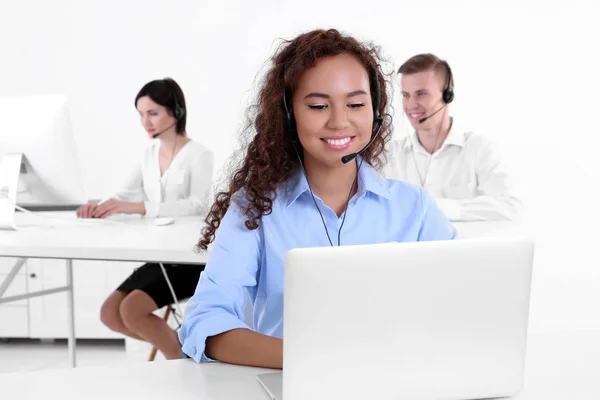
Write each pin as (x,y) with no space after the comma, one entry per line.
(526,74)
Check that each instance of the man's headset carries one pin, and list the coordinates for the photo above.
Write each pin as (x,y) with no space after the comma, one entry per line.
(290,122)
(447,94)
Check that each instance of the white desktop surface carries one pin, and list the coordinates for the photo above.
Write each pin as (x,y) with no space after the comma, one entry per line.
(560,366)
(138,239)
(472,229)
(121,239)
(129,239)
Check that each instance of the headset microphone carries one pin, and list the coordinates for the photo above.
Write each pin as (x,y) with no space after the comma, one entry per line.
(163,131)
(379,123)
(431,115)
(447,94)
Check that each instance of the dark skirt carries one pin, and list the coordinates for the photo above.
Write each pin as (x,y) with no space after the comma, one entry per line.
(150,279)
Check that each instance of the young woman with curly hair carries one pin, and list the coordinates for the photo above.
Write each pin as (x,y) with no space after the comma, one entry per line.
(323,98)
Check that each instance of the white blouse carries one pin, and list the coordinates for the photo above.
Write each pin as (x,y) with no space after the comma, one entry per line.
(467,176)
(182,190)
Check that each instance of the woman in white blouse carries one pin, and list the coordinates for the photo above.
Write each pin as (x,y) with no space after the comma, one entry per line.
(173,178)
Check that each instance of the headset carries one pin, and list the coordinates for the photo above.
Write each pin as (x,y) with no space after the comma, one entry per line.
(290,130)
(290,122)
(448,94)
(447,97)
(178,111)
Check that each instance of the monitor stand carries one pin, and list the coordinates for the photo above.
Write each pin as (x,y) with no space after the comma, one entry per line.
(10,170)
(21,186)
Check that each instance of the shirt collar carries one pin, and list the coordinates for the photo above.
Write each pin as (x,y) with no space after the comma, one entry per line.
(369,180)
(455,138)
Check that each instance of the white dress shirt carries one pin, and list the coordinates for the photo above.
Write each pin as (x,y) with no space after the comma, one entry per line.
(182,190)
(466,176)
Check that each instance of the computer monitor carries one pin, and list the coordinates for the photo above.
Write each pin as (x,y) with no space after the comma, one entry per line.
(39,165)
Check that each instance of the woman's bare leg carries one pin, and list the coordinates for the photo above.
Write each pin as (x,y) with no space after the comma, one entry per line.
(137,313)
(110,314)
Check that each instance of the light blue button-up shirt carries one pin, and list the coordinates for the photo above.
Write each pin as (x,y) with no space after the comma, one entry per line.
(246,263)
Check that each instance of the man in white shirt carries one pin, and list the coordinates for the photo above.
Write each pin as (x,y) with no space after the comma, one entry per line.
(463,171)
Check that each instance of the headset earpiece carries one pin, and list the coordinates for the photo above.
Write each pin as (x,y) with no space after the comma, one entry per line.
(178,111)
(287,109)
(377,118)
(448,94)
(290,124)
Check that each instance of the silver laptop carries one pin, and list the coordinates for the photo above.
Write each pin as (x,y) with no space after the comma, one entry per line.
(426,320)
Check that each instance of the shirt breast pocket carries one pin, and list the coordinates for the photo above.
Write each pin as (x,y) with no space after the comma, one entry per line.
(177,177)
(175,187)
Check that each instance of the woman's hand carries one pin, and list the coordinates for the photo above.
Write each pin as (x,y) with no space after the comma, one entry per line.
(86,210)
(114,206)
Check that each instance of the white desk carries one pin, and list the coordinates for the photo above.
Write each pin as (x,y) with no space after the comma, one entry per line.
(137,239)
(132,239)
(490,229)
(559,367)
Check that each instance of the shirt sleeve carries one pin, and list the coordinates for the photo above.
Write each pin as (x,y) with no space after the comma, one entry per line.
(495,199)
(434,224)
(200,181)
(231,272)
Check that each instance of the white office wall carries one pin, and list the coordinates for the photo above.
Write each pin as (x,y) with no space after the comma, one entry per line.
(526,74)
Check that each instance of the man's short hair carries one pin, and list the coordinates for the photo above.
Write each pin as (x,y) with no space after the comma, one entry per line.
(426,62)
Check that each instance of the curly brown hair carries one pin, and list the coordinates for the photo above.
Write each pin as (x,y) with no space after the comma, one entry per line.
(270,154)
